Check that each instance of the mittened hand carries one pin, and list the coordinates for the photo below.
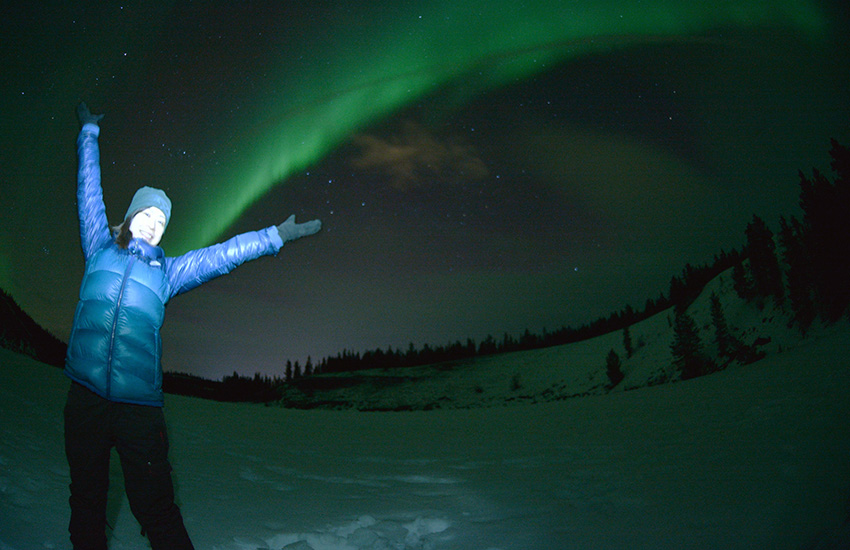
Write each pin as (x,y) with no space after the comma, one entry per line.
(289,230)
(85,116)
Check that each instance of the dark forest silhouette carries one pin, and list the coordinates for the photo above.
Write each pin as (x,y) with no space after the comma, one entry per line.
(19,332)
(807,265)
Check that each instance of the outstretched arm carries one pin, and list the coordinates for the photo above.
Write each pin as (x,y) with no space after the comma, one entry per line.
(199,266)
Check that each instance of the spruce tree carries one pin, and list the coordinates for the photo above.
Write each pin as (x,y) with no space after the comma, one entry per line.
(722,337)
(614,368)
(764,267)
(688,356)
(743,285)
(799,274)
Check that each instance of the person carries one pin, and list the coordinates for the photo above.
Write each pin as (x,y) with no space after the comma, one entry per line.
(114,350)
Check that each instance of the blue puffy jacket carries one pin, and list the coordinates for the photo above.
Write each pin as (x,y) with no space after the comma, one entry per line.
(115,348)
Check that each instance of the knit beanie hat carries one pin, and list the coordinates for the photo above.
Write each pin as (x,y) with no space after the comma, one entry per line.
(146,197)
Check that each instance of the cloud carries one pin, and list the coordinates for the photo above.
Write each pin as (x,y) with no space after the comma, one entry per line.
(415,157)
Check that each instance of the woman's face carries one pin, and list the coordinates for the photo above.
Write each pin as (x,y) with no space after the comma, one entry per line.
(148,225)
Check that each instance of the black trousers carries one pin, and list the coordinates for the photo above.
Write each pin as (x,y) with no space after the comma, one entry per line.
(93,426)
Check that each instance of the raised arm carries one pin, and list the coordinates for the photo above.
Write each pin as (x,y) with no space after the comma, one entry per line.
(94,228)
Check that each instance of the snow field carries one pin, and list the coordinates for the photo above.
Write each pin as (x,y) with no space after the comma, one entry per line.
(751,457)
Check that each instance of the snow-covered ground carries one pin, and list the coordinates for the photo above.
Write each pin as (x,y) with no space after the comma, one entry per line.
(753,457)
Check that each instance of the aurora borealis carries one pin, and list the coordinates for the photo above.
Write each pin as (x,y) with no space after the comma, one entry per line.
(358,78)
(479,167)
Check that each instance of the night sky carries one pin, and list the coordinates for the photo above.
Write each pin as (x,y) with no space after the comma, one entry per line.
(479,167)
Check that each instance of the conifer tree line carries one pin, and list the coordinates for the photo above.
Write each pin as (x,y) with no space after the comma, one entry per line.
(807,266)
(683,290)
(810,267)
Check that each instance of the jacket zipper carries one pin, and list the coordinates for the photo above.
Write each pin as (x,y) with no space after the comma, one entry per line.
(115,326)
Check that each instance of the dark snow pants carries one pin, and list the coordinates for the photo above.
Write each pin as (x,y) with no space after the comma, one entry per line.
(93,426)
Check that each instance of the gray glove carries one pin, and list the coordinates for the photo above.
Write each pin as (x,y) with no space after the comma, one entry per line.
(85,116)
(289,230)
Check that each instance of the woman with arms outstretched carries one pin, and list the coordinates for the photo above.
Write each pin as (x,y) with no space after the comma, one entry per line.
(114,350)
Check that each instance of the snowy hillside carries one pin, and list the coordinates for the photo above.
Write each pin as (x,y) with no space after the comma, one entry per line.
(548,374)
(753,457)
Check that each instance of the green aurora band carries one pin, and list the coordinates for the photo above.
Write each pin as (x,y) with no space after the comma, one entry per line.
(406,54)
